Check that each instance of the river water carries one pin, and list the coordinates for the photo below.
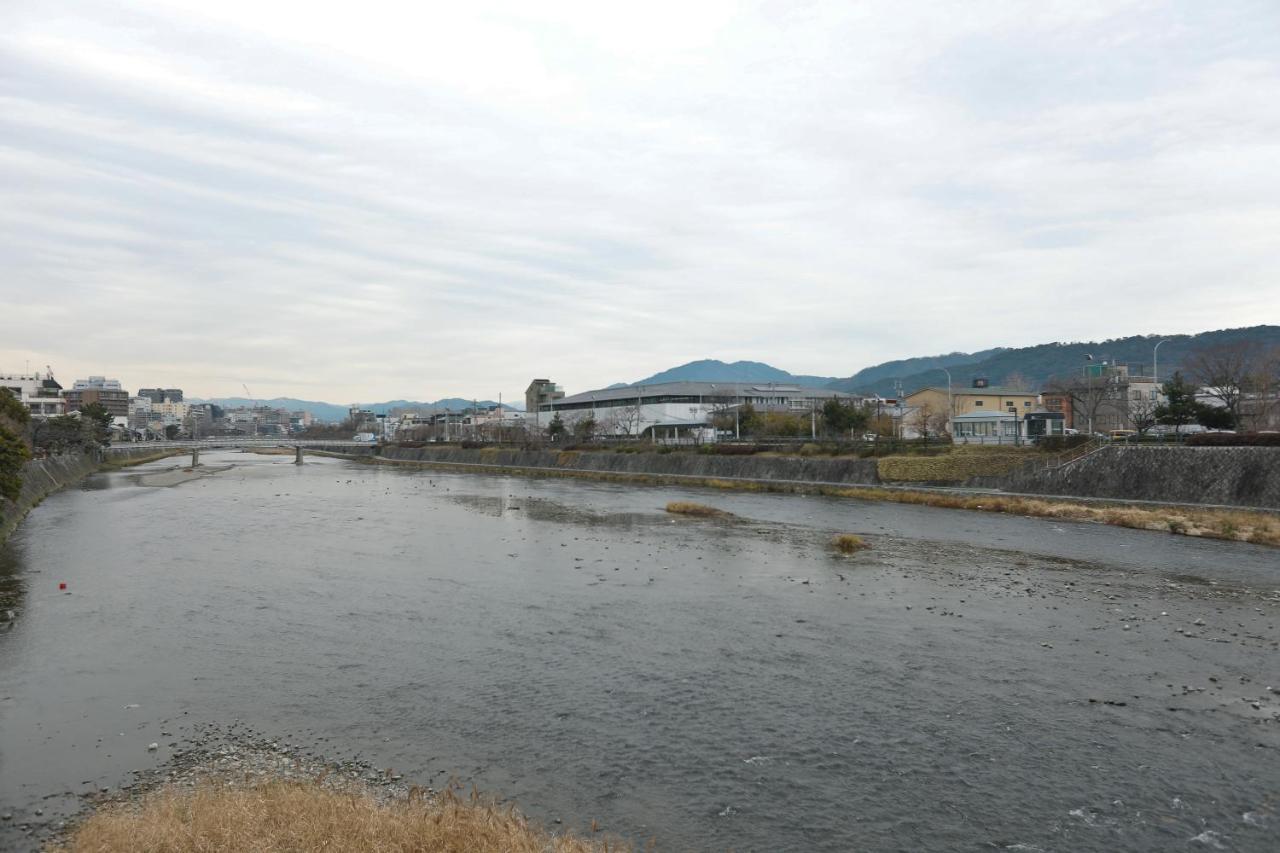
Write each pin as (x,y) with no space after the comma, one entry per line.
(971,682)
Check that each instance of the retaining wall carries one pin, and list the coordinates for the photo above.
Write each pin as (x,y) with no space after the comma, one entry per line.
(1235,476)
(851,471)
(43,477)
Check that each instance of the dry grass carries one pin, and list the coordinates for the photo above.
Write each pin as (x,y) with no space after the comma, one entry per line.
(289,816)
(690,508)
(1260,528)
(848,543)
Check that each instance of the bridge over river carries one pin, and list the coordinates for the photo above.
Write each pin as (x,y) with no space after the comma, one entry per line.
(194,446)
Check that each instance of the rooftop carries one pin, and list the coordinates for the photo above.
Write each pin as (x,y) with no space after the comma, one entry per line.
(989,391)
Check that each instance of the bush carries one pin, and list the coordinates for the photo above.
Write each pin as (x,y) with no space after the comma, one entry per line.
(690,508)
(1235,439)
(1058,443)
(848,543)
(736,449)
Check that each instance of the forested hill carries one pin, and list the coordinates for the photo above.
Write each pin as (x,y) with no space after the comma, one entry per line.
(1038,364)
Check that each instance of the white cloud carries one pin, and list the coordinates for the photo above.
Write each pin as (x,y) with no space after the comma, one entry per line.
(422,200)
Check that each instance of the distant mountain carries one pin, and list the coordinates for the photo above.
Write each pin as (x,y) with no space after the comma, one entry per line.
(334,413)
(713,370)
(1038,364)
(891,370)
(1034,365)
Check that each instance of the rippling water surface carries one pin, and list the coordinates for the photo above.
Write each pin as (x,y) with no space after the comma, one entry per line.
(969,683)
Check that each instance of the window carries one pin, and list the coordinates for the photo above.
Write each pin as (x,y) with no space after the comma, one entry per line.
(1026,404)
(977,403)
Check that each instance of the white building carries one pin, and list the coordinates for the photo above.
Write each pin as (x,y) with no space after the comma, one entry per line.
(98,383)
(680,410)
(41,394)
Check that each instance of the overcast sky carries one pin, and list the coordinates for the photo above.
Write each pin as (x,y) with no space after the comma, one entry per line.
(360,201)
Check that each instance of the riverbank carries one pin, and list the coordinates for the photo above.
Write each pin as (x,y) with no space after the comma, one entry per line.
(1258,527)
(43,477)
(239,790)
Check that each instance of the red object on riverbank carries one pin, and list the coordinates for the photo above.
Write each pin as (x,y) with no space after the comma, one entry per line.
(62,585)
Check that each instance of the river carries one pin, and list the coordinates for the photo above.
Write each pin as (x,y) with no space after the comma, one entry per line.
(971,682)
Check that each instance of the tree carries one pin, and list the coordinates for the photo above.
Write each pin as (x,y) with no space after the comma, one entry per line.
(925,421)
(1214,417)
(1142,414)
(556,428)
(100,420)
(13,414)
(1179,407)
(13,450)
(13,455)
(1097,402)
(749,421)
(843,418)
(171,431)
(1225,372)
(63,433)
(585,429)
(624,418)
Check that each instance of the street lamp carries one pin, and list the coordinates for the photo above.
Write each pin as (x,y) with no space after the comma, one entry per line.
(1155,363)
(1088,394)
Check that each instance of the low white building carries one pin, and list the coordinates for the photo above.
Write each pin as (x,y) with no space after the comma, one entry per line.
(675,411)
(41,394)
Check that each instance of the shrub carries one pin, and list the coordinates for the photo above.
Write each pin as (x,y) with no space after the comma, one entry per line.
(736,449)
(1234,439)
(1059,443)
(848,543)
(690,508)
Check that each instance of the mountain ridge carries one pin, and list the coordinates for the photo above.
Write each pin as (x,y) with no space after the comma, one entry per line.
(1036,364)
(335,413)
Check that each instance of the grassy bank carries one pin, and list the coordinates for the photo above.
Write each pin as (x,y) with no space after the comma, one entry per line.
(956,466)
(1260,528)
(295,816)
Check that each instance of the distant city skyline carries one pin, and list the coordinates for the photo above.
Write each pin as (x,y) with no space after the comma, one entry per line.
(355,204)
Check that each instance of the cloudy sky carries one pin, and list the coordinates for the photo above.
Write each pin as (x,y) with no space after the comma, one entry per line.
(359,201)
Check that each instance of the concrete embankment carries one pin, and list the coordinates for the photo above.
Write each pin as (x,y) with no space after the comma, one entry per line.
(1225,476)
(709,466)
(43,477)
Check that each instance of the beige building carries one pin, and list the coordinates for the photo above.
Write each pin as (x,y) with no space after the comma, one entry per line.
(976,399)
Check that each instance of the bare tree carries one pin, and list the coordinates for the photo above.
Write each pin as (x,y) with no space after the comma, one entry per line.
(623,419)
(1097,401)
(1225,372)
(1260,393)
(1142,414)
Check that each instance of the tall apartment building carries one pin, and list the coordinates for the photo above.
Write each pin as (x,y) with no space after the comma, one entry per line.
(115,402)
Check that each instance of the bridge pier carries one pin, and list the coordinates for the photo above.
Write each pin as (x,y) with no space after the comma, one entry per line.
(297,455)
(195,456)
